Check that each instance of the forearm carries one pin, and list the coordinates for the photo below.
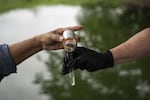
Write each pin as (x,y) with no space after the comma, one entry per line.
(24,49)
(51,40)
(136,47)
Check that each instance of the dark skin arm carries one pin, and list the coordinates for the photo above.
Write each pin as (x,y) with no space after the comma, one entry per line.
(47,41)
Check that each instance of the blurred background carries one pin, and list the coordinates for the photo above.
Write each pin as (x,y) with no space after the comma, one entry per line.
(107,23)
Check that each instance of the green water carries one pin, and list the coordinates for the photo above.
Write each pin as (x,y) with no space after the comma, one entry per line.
(106,25)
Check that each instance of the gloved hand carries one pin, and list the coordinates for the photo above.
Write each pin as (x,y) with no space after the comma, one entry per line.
(90,60)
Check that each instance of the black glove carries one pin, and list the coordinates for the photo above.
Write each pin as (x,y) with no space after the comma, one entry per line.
(90,60)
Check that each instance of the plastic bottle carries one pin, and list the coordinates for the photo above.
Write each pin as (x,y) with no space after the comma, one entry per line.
(69,42)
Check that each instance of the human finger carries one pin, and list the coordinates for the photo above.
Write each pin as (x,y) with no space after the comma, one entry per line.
(55,46)
(73,28)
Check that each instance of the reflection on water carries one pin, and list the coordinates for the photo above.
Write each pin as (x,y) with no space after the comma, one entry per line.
(19,24)
(105,27)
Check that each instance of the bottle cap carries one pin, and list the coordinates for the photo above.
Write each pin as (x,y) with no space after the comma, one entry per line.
(68,34)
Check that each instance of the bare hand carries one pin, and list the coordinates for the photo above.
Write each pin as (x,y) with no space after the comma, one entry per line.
(53,40)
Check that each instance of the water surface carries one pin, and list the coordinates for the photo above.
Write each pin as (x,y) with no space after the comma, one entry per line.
(20,24)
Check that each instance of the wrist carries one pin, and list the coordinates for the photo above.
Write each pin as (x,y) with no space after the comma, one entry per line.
(38,42)
(109,60)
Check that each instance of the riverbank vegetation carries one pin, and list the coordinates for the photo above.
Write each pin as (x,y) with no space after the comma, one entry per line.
(6,5)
